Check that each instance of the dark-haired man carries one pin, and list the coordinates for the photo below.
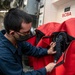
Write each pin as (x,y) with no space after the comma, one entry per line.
(17,25)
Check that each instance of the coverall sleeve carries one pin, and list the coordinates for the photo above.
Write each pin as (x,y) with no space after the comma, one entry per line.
(32,50)
(10,67)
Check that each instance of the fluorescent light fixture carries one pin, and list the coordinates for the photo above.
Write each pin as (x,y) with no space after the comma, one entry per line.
(25,2)
(4,11)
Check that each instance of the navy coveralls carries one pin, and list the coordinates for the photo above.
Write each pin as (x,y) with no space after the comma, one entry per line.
(11,57)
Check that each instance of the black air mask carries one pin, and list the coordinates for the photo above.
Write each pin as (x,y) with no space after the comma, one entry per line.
(23,38)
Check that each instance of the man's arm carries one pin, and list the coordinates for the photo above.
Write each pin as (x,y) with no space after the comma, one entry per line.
(34,51)
(30,50)
(10,67)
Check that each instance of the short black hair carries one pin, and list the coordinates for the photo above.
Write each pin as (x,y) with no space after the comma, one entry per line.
(14,18)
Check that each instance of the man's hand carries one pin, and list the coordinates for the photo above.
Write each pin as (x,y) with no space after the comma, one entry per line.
(51,49)
(50,67)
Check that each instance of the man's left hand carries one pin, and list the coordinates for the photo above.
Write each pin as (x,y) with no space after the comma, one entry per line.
(51,49)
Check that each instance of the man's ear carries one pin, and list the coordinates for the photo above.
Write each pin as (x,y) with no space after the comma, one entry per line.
(11,32)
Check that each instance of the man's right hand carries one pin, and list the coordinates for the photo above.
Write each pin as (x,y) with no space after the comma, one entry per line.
(50,67)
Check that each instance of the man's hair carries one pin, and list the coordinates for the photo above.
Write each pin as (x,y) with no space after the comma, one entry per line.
(14,18)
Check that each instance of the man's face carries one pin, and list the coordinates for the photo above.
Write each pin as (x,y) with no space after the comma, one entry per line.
(24,32)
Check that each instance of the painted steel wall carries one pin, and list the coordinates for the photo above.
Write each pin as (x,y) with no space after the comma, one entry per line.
(61,15)
(54,12)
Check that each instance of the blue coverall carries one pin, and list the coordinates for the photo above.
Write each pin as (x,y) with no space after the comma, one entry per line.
(11,57)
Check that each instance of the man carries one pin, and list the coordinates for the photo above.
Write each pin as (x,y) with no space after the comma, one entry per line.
(17,25)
